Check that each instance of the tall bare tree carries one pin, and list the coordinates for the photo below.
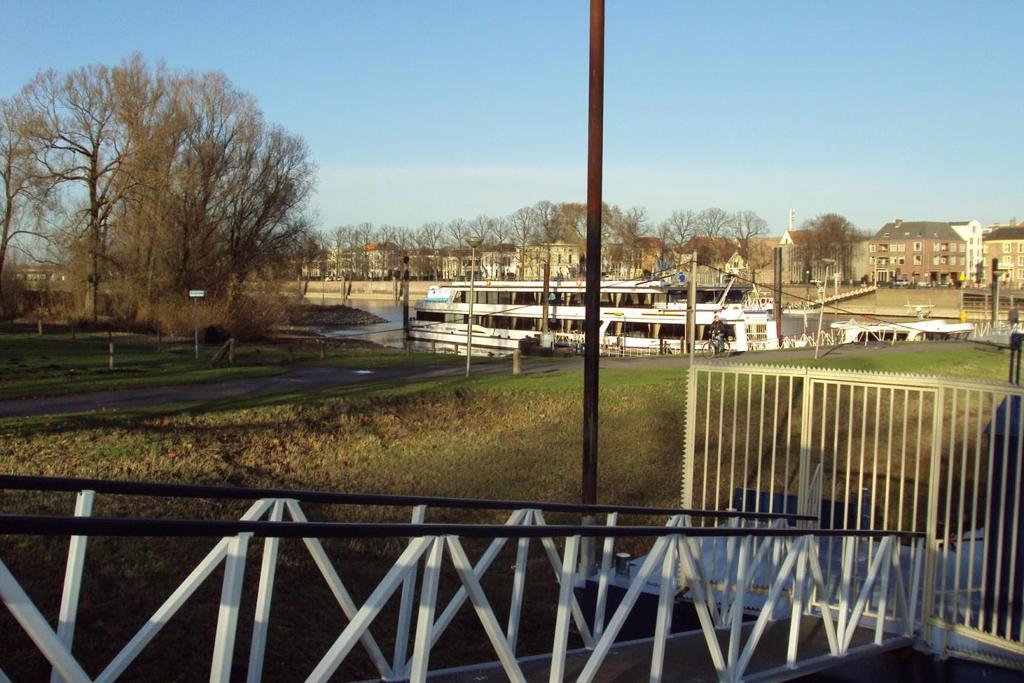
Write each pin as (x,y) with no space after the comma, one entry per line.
(456,232)
(481,227)
(631,228)
(571,218)
(679,228)
(84,147)
(747,226)
(713,222)
(429,239)
(546,219)
(834,237)
(523,224)
(20,183)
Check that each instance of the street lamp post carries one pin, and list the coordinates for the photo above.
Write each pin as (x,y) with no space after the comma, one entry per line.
(473,243)
(822,291)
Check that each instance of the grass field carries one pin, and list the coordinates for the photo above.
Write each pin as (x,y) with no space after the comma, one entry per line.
(494,436)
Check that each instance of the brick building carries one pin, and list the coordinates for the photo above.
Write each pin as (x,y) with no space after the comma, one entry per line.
(1006,243)
(921,252)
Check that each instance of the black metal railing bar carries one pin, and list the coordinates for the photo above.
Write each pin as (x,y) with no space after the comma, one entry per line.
(130,488)
(45,525)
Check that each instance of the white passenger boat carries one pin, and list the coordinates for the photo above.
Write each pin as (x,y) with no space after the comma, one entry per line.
(852,331)
(641,316)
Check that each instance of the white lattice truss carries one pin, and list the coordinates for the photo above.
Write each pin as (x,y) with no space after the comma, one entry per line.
(788,557)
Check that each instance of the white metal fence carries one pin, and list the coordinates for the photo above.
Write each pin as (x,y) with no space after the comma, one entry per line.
(870,451)
(751,578)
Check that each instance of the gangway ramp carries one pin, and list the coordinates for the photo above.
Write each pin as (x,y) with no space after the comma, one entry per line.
(686,658)
(841,296)
(773,597)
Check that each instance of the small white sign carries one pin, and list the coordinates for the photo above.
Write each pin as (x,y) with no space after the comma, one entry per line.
(196,293)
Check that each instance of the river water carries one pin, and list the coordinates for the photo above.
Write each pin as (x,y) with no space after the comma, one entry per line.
(389,333)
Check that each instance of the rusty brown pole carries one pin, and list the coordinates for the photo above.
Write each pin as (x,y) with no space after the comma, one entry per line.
(592,298)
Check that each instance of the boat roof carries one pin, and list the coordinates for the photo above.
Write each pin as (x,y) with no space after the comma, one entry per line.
(615,286)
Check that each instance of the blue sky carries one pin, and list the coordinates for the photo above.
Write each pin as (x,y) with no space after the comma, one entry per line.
(431,109)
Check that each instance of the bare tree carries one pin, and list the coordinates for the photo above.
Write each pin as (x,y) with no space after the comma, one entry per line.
(429,239)
(571,218)
(713,222)
(546,219)
(679,228)
(457,230)
(19,183)
(523,224)
(84,146)
(747,226)
(481,227)
(631,228)
(833,237)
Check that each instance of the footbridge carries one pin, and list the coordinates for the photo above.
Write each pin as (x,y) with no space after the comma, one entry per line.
(840,296)
(484,590)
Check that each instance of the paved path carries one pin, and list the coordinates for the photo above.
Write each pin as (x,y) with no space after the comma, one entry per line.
(293,381)
(317,378)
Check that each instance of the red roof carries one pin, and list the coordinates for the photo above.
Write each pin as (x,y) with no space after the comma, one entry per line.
(801,236)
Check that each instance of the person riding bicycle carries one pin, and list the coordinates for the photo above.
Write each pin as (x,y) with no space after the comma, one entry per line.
(717,332)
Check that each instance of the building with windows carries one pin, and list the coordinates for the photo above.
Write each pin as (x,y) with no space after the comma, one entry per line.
(973,234)
(1006,243)
(563,257)
(921,252)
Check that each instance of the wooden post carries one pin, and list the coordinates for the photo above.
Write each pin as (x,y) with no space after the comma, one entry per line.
(110,355)
(39,325)
(517,362)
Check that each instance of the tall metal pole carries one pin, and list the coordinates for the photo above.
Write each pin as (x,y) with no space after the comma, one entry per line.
(405,302)
(469,328)
(995,292)
(691,308)
(777,295)
(592,297)
(823,289)
(545,294)
(195,324)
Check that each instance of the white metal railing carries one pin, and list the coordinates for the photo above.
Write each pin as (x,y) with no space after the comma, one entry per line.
(893,452)
(730,572)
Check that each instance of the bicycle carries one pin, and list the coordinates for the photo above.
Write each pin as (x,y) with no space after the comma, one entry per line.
(711,349)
